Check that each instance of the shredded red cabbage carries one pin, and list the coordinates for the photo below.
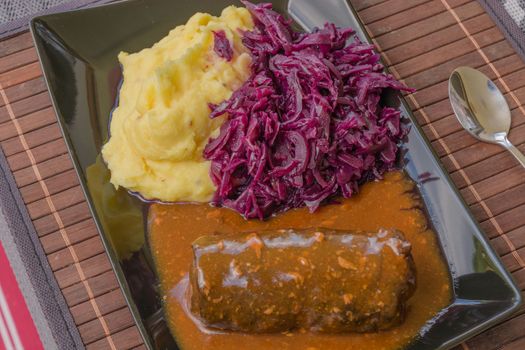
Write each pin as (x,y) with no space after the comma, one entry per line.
(221,45)
(307,125)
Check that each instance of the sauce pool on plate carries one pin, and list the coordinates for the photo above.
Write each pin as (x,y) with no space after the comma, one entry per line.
(391,203)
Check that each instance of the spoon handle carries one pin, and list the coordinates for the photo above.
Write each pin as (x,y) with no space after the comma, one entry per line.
(514,151)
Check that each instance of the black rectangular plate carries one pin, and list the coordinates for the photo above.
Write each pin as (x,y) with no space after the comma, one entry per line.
(78,51)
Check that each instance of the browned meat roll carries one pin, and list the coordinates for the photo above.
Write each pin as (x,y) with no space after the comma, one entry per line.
(316,280)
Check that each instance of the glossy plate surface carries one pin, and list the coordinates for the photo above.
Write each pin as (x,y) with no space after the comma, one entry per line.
(78,51)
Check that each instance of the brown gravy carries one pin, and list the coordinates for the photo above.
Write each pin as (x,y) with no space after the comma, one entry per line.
(390,203)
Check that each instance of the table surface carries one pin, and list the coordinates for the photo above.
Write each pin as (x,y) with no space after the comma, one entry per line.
(421,40)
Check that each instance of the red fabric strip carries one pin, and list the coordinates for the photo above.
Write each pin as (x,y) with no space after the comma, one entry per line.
(17,329)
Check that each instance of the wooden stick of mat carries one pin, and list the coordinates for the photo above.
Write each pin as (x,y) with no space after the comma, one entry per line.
(520,106)
(56,216)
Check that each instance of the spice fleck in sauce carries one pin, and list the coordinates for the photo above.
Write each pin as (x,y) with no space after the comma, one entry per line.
(390,203)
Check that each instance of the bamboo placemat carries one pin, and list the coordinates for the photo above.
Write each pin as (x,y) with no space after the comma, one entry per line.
(421,40)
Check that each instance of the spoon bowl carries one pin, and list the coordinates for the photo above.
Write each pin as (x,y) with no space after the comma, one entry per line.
(481,108)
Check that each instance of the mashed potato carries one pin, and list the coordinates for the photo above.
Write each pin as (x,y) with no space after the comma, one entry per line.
(160,128)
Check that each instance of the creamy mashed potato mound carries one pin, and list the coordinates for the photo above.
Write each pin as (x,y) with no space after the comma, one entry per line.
(162,124)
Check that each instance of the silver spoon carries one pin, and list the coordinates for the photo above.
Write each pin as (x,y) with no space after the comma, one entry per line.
(481,108)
